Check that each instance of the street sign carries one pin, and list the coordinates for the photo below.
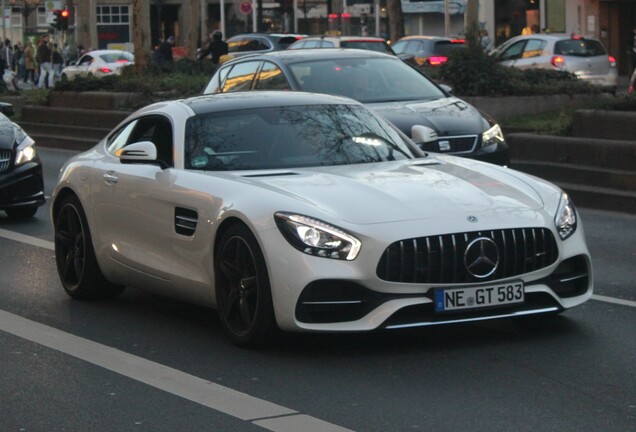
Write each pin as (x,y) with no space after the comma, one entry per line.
(246,7)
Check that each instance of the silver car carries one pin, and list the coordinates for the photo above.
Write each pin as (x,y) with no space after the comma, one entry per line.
(584,57)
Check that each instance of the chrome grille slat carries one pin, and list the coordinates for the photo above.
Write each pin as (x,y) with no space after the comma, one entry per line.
(440,258)
(5,160)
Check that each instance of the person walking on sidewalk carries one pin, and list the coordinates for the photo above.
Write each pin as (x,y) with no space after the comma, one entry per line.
(29,63)
(43,56)
(631,51)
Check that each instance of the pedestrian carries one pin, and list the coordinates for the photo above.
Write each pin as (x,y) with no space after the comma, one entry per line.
(58,62)
(166,50)
(43,57)
(631,50)
(29,63)
(216,48)
(18,60)
(484,41)
(6,55)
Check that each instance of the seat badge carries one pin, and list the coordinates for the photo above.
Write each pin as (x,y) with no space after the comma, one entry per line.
(444,145)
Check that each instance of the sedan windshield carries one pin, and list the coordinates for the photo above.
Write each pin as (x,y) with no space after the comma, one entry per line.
(365,80)
(292,136)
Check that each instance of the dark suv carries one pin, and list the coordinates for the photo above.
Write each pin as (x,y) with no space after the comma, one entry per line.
(426,50)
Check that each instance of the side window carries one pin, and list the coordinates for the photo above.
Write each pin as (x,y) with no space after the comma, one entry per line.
(327,44)
(534,48)
(240,77)
(257,45)
(513,52)
(271,78)
(299,45)
(156,129)
(86,60)
(120,138)
(312,44)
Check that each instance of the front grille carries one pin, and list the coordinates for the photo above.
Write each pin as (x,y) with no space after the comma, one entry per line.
(458,144)
(440,259)
(5,160)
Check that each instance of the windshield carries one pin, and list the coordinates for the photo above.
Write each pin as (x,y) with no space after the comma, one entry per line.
(579,48)
(292,136)
(365,80)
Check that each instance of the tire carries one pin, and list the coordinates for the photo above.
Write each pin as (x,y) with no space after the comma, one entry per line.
(22,212)
(77,265)
(243,293)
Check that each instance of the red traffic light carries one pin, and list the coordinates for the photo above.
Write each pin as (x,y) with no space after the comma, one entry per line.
(65,13)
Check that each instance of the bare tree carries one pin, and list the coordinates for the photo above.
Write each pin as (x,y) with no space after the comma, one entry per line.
(471,22)
(396,19)
(141,34)
(192,39)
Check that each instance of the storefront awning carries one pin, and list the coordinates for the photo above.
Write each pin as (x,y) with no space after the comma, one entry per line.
(435,6)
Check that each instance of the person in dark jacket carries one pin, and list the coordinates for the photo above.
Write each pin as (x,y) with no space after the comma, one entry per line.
(216,48)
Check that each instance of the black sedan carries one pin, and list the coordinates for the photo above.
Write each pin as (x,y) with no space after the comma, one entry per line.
(424,111)
(21,184)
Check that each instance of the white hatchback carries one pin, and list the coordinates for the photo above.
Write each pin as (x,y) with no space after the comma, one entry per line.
(98,63)
(584,57)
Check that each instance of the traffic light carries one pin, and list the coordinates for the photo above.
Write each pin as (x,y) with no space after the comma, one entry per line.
(60,19)
(57,19)
(64,16)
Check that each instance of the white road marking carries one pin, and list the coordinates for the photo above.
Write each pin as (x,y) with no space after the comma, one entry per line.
(23,238)
(613,300)
(260,412)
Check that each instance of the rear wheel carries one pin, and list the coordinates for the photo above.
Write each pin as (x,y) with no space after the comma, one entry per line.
(243,292)
(75,257)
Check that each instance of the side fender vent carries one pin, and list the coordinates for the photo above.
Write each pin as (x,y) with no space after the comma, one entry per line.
(185,221)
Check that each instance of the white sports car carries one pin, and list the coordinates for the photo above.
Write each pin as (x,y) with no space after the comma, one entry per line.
(300,211)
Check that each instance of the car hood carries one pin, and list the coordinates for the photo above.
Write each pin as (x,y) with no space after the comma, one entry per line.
(446,116)
(7,133)
(391,192)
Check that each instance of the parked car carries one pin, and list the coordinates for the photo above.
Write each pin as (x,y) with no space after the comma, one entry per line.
(99,63)
(426,50)
(360,42)
(21,183)
(421,109)
(583,56)
(251,43)
(308,212)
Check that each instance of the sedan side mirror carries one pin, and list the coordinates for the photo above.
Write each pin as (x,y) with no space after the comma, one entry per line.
(142,151)
(423,134)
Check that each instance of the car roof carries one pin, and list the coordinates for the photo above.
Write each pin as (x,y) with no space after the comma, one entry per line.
(433,38)
(293,56)
(260,99)
(346,38)
(100,52)
(555,36)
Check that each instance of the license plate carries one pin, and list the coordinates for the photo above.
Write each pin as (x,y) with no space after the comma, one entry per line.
(452,299)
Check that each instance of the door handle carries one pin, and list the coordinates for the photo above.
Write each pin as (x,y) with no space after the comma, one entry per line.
(110,177)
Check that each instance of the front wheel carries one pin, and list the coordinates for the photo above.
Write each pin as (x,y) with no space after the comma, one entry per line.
(243,292)
(75,257)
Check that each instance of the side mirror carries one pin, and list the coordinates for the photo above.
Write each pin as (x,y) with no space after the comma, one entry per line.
(143,151)
(423,134)
(448,89)
(7,109)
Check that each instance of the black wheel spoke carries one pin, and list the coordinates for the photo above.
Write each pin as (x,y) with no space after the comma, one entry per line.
(246,315)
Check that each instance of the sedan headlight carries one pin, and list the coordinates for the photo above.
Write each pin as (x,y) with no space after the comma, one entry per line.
(492,136)
(318,238)
(26,150)
(565,219)
(25,155)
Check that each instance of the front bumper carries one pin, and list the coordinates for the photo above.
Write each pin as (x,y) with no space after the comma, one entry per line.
(22,186)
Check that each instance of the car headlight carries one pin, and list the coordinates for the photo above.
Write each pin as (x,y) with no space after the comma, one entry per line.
(25,154)
(318,238)
(565,219)
(492,136)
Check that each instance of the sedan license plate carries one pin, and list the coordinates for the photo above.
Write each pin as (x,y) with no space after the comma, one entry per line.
(453,299)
